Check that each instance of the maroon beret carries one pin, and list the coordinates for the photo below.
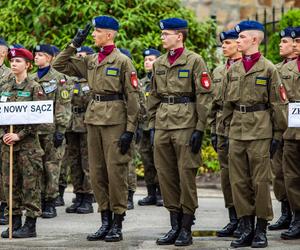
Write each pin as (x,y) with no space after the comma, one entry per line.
(24,53)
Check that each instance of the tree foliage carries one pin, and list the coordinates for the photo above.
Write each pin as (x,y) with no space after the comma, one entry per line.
(30,22)
(290,19)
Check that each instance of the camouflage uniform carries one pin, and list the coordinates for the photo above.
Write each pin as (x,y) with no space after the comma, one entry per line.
(56,88)
(27,153)
(77,153)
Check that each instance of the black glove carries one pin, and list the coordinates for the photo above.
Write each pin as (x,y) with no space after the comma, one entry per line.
(273,147)
(58,139)
(196,141)
(125,141)
(138,135)
(152,132)
(81,35)
(214,141)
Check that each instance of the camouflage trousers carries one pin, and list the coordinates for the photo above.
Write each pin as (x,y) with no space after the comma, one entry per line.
(51,167)
(27,170)
(76,157)
(132,178)
(146,152)
(64,167)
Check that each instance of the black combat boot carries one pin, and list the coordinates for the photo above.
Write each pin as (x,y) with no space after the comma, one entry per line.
(16,224)
(228,230)
(260,235)
(150,199)
(86,206)
(115,232)
(27,230)
(50,210)
(248,233)
(170,237)
(130,204)
(285,219)
(294,230)
(3,217)
(76,204)
(185,235)
(239,230)
(159,199)
(106,218)
(59,201)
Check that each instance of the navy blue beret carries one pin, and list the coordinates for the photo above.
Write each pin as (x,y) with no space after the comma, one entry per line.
(125,52)
(295,32)
(45,48)
(151,52)
(173,24)
(106,22)
(230,34)
(3,42)
(287,32)
(16,46)
(86,49)
(249,25)
(55,50)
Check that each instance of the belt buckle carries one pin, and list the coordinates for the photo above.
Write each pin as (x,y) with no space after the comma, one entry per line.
(98,98)
(243,109)
(75,110)
(171,100)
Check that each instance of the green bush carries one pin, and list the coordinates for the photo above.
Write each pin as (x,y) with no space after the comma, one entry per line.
(52,21)
(290,19)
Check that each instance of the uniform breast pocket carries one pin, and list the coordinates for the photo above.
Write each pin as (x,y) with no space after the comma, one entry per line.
(160,77)
(111,79)
(180,81)
(232,91)
(261,89)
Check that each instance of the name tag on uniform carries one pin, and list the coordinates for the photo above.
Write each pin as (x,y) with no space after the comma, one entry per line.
(261,81)
(183,73)
(286,77)
(49,89)
(217,80)
(23,94)
(160,72)
(233,78)
(112,72)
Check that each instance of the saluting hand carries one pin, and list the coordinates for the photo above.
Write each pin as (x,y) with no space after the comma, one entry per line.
(81,35)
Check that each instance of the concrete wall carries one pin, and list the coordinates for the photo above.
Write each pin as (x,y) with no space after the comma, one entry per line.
(229,12)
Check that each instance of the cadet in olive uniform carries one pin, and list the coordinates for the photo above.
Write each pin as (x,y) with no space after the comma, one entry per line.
(287,52)
(218,138)
(146,150)
(27,151)
(111,119)
(5,72)
(248,113)
(290,74)
(179,105)
(51,136)
(76,155)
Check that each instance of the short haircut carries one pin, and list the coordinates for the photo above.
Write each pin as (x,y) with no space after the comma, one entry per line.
(184,33)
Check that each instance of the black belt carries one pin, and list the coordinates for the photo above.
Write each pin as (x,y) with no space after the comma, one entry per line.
(177,99)
(106,98)
(256,107)
(77,110)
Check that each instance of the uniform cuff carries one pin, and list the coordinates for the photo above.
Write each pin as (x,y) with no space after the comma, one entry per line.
(130,128)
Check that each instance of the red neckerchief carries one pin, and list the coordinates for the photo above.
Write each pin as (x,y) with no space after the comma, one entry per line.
(250,60)
(105,51)
(286,60)
(298,63)
(174,54)
(231,61)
